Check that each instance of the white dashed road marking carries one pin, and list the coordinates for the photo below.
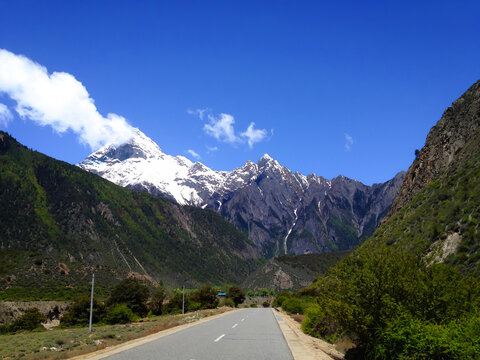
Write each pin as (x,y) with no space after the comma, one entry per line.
(219,338)
(234,326)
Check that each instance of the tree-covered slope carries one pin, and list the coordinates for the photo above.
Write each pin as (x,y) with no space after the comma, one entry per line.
(59,223)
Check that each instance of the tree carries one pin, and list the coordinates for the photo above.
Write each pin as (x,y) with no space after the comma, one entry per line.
(79,312)
(156,303)
(174,305)
(236,294)
(132,293)
(206,296)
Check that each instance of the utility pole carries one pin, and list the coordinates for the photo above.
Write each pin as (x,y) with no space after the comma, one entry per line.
(91,305)
(183,300)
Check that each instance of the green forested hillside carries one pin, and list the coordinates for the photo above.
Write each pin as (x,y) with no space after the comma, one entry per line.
(412,291)
(58,224)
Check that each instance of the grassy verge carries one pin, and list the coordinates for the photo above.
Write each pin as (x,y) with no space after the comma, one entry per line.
(67,343)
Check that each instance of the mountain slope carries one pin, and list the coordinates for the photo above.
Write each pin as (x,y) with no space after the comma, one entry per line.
(58,221)
(412,290)
(292,272)
(280,211)
(438,207)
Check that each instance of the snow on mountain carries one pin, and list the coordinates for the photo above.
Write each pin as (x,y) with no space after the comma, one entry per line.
(280,211)
(140,164)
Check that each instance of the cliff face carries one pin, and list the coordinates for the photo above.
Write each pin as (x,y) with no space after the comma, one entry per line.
(451,142)
(438,209)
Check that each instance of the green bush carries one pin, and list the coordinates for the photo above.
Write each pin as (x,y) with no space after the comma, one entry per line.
(119,314)
(293,306)
(236,294)
(174,305)
(79,312)
(318,324)
(156,302)
(30,320)
(206,296)
(266,304)
(133,293)
(194,306)
(279,300)
(409,338)
(227,302)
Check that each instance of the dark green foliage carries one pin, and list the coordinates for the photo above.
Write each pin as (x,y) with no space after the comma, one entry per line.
(278,302)
(132,293)
(206,296)
(227,302)
(30,320)
(410,338)
(236,294)
(266,304)
(156,302)
(174,305)
(293,305)
(79,312)
(119,314)
(369,293)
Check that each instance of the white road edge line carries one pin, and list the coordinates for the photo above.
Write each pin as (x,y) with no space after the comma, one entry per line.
(219,338)
(234,326)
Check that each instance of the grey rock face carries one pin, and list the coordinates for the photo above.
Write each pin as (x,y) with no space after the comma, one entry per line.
(285,212)
(280,211)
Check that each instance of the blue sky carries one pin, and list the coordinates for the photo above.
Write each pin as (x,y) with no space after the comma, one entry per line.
(338,87)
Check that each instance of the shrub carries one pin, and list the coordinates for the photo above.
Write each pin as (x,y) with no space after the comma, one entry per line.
(266,304)
(132,293)
(236,294)
(280,299)
(293,306)
(119,314)
(174,305)
(79,312)
(227,302)
(206,296)
(156,303)
(30,320)
(409,338)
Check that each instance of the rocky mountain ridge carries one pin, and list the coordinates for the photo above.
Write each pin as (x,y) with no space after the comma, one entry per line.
(452,140)
(280,211)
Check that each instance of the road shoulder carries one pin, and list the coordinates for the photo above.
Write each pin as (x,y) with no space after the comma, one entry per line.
(303,346)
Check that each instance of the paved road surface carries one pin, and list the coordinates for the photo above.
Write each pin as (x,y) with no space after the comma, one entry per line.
(251,334)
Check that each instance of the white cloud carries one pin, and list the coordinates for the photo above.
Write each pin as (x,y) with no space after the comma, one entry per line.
(199,112)
(58,100)
(193,153)
(254,135)
(5,115)
(211,149)
(348,142)
(221,128)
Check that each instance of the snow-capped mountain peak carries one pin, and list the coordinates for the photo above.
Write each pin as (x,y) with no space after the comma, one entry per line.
(264,199)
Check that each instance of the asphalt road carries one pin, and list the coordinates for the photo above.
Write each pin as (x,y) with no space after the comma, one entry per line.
(246,334)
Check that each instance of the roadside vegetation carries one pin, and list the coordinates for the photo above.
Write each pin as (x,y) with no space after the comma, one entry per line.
(392,306)
(132,310)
